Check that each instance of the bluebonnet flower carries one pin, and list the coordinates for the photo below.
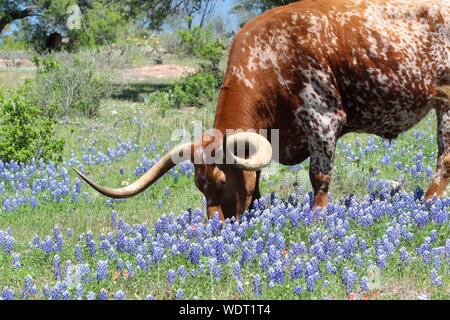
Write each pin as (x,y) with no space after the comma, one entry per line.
(278,272)
(66,295)
(57,291)
(85,271)
(426,257)
(47,245)
(102,270)
(437,281)
(90,295)
(216,271)
(58,239)
(28,287)
(433,236)
(7,294)
(265,262)
(237,271)
(79,254)
(349,278)
(381,260)
(149,297)
(179,295)
(297,269)
(120,295)
(194,253)
(331,269)
(57,266)
(102,294)
(92,248)
(113,219)
(79,293)
(364,285)
(104,245)
(311,283)
(404,255)
(171,276)
(182,272)
(16,261)
(130,269)
(257,285)
(46,291)
(298,290)
(240,287)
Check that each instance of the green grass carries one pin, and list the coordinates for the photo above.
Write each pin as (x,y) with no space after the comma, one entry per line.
(116,120)
(11,78)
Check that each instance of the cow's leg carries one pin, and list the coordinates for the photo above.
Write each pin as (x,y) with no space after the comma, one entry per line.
(442,175)
(256,192)
(323,131)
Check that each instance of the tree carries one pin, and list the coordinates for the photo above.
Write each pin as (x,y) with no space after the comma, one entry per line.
(248,9)
(11,10)
(259,6)
(200,8)
(100,18)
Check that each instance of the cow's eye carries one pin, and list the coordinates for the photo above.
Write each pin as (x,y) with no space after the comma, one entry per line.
(221,182)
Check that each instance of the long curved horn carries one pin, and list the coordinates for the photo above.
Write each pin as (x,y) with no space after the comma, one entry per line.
(158,170)
(256,161)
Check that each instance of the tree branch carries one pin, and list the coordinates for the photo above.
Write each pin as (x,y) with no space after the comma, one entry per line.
(9,17)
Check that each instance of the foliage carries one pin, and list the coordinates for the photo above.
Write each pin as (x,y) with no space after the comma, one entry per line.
(101,20)
(248,9)
(260,6)
(69,219)
(199,42)
(194,90)
(102,25)
(25,131)
(200,8)
(161,100)
(12,43)
(64,86)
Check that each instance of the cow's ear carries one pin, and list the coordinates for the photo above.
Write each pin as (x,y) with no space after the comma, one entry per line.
(207,139)
(212,149)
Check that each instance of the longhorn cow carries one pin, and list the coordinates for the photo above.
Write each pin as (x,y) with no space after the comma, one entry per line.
(316,70)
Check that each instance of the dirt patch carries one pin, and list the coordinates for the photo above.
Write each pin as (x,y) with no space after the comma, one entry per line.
(16,63)
(405,289)
(157,71)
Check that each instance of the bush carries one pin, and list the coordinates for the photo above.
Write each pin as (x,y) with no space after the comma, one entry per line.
(64,86)
(25,131)
(191,91)
(195,90)
(161,100)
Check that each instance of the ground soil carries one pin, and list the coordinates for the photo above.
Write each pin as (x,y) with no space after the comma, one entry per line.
(156,71)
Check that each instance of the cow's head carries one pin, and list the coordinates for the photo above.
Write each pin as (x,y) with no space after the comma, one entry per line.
(225,171)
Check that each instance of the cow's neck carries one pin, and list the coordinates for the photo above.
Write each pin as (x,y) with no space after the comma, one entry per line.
(241,108)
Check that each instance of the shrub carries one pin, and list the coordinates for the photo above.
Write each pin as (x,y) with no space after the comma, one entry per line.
(64,86)
(195,90)
(191,91)
(161,100)
(25,131)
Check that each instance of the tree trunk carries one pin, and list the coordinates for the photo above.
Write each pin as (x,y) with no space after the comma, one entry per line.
(9,17)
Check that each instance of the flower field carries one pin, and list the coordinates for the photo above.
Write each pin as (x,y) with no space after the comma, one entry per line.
(377,239)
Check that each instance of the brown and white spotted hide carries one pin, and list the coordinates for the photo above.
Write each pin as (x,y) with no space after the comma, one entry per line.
(319,69)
